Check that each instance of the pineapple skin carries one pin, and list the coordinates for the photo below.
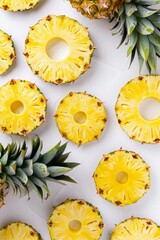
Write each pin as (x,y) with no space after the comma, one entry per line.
(105,177)
(95,112)
(127,109)
(97,9)
(19,231)
(77,38)
(18,5)
(75,209)
(7,51)
(144,228)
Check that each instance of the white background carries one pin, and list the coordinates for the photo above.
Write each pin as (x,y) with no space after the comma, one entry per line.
(109,72)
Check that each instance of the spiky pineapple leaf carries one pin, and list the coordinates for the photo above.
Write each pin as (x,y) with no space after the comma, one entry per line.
(40,170)
(133,38)
(48,156)
(152,60)
(143,47)
(131,23)
(130,8)
(144,12)
(145,27)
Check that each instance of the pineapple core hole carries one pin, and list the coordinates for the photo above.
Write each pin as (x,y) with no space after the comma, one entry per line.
(74,225)
(122,177)
(80,117)
(17,107)
(149,108)
(57,49)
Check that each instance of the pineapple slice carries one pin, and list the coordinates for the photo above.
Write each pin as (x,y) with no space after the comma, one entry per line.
(22,107)
(19,231)
(122,177)
(127,109)
(7,52)
(76,37)
(81,117)
(136,228)
(75,219)
(18,5)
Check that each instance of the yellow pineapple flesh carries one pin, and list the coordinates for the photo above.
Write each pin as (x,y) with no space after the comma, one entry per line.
(18,5)
(75,219)
(122,177)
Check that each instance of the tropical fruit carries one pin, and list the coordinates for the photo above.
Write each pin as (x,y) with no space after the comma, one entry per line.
(127,109)
(75,219)
(18,5)
(48,30)
(19,231)
(22,171)
(136,228)
(22,107)
(137,22)
(7,52)
(122,177)
(81,117)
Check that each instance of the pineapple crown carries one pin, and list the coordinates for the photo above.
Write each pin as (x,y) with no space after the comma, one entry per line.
(139,25)
(21,170)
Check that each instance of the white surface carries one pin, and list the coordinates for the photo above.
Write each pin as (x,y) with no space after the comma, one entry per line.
(109,72)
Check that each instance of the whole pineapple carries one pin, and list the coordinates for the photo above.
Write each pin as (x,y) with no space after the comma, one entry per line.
(21,170)
(137,22)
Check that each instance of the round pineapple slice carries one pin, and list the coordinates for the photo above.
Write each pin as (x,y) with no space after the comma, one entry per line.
(7,52)
(136,228)
(75,219)
(18,5)
(19,231)
(122,177)
(58,28)
(22,107)
(81,117)
(97,8)
(127,109)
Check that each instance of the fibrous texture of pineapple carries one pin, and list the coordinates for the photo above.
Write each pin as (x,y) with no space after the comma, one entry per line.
(81,117)
(138,23)
(18,5)
(7,52)
(127,109)
(122,177)
(19,231)
(98,8)
(136,228)
(75,219)
(22,107)
(74,34)
(23,170)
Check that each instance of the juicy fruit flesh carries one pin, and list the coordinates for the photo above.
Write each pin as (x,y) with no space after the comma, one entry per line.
(122,177)
(7,52)
(18,5)
(86,221)
(19,231)
(74,34)
(127,109)
(136,228)
(23,109)
(81,117)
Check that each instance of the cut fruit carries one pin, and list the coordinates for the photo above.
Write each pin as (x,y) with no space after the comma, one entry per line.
(122,177)
(81,117)
(7,52)
(22,107)
(77,38)
(18,5)
(136,228)
(127,109)
(19,231)
(75,219)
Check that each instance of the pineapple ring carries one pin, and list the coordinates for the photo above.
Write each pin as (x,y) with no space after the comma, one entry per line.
(81,117)
(136,228)
(19,231)
(75,219)
(127,109)
(22,107)
(122,177)
(18,5)
(7,52)
(76,37)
